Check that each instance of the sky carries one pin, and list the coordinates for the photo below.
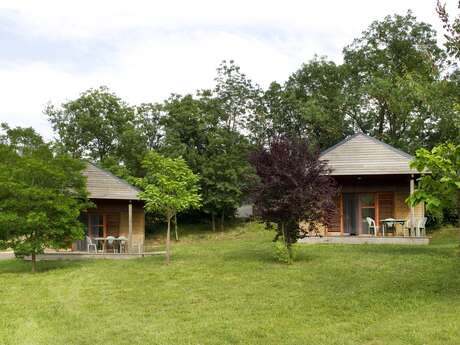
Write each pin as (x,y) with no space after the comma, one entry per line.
(51,51)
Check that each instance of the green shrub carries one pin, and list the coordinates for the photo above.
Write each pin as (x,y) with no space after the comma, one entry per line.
(283,254)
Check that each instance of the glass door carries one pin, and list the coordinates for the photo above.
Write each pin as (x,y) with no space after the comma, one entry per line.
(350,213)
(367,209)
(96,225)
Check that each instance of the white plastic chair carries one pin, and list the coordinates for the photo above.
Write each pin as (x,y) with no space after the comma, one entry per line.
(123,241)
(412,227)
(111,242)
(421,224)
(372,226)
(90,244)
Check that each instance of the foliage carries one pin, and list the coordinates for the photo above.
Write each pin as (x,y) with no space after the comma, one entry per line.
(440,189)
(41,194)
(310,105)
(294,186)
(452,28)
(168,187)
(101,127)
(195,130)
(283,254)
(394,82)
(237,95)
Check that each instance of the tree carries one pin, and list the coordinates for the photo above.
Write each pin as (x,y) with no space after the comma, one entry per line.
(225,173)
(294,186)
(101,127)
(393,74)
(452,34)
(195,130)
(440,189)
(237,95)
(41,194)
(309,105)
(169,187)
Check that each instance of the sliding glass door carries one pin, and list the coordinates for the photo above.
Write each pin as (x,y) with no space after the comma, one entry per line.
(350,213)
(96,225)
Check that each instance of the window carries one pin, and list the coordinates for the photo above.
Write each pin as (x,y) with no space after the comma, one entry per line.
(367,205)
(96,225)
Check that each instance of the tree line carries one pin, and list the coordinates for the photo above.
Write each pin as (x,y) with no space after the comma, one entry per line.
(215,146)
(395,83)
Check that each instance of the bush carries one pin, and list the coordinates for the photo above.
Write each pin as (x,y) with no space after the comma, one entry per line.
(282,254)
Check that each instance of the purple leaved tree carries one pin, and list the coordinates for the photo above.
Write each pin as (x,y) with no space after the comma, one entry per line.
(294,186)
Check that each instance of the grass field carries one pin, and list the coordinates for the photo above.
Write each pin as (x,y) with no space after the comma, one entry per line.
(227,289)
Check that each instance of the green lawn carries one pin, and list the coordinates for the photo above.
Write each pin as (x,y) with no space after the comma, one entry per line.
(227,289)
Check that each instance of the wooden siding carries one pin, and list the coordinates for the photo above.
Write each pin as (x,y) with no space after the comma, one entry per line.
(116,213)
(363,155)
(101,184)
(386,205)
(391,194)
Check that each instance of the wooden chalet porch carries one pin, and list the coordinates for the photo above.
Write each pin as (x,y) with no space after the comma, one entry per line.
(374,180)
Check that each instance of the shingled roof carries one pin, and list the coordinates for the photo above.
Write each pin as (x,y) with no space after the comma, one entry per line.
(361,154)
(102,184)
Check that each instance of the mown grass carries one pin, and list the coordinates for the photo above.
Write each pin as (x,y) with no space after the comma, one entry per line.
(227,289)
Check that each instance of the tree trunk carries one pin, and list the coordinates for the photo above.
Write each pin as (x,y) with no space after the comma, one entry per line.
(175,227)
(213,221)
(222,222)
(168,242)
(34,263)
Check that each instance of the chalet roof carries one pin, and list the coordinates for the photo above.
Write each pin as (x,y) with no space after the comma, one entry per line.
(361,154)
(102,184)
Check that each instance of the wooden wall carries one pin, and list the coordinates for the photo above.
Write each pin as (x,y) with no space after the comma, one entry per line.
(391,191)
(116,211)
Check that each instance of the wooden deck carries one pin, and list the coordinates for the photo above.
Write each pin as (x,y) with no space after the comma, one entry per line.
(366,240)
(92,256)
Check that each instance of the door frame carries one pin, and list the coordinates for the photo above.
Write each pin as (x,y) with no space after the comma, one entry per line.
(359,230)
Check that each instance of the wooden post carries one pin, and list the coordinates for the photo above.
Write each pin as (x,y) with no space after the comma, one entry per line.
(130,226)
(412,209)
(341,213)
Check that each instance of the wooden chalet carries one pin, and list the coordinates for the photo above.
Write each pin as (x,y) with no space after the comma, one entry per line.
(375,179)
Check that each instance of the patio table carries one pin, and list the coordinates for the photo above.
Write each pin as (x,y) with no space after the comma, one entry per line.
(387,221)
(104,241)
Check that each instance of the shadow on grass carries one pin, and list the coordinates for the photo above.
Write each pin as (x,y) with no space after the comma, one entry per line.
(24,266)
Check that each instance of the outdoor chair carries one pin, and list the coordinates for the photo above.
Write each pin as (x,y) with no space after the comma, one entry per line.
(389,226)
(421,224)
(111,242)
(122,244)
(409,228)
(371,225)
(89,244)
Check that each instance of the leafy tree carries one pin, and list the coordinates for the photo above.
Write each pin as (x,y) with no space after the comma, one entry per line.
(318,86)
(294,186)
(309,105)
(440,189)
(195,130)
(225,173)
(452,30)
(169,187)
(237,95)
(393,72)
(91,126)
(101,127)
(41,194)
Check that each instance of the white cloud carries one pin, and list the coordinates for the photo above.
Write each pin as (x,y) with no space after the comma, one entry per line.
(160,47)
